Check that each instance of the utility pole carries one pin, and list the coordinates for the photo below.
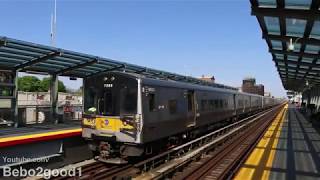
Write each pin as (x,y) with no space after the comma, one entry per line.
(54,77)
(54,24)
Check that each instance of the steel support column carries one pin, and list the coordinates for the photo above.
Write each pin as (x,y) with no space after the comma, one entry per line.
(14,101)
(83,93)
(54,98)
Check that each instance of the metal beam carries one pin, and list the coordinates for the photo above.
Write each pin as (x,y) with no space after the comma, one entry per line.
(296,62)
(141,71)
(280,4)
(306,34)
(38,60)
(283,29)
(71,68)
(254,3)
(303,54)
(315,5)
(287,38)
(301,69)
(107,70)
(287,13)
(3,43)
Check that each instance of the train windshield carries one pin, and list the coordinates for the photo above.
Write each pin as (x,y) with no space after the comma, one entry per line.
(115,101)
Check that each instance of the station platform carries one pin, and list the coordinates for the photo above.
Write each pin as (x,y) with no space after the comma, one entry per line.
(290,149)
(41,132)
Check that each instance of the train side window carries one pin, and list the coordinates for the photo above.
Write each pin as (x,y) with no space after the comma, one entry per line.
(216,103)
(190,101)
(172,106)
(152,102)
(211,104)
(221,103)
(203,105)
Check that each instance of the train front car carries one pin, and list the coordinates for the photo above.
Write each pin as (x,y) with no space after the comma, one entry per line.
(112,121)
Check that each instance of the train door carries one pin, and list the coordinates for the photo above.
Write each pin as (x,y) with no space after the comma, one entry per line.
(191,111)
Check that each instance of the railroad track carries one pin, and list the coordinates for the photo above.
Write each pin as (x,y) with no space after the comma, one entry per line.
(216,155)
(222,149)
(223,163)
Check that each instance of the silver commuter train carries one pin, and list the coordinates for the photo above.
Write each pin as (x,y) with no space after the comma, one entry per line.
(137,115)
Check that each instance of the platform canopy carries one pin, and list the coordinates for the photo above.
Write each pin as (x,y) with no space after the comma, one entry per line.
(298,21)
(29,57)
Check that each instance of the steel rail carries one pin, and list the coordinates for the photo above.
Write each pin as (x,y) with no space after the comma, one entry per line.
(173,161)
(99,170)
(224,163)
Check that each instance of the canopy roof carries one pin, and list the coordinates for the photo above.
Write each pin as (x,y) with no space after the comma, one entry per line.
(35,58)
(298,20)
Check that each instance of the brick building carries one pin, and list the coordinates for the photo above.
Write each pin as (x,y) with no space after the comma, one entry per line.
(249,86)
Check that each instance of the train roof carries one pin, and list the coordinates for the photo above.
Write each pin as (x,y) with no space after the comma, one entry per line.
(178,84)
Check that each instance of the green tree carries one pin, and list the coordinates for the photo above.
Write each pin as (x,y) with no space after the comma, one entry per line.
(33,84)
(28,83)
(45,84)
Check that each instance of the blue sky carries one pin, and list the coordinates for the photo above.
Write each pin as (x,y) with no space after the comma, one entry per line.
(217,37)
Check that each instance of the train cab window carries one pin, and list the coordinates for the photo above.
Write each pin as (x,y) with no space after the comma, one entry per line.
(128,100)
(152,102)
(172,106)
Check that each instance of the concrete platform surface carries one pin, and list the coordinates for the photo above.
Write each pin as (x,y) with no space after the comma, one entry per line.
(290,149)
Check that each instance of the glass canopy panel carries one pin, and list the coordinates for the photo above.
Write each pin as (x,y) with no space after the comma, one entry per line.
(272,24)
(298,4)
(267,3)
(316,69)
(302,71)
(292,65)
(318,61)
(279,56)
(297,47)
(295,27)
(292,58)
(276,44)
(304,67)
(312,49)
(307,59)
(282,69)
(281,63)
(291,70)
(315,32)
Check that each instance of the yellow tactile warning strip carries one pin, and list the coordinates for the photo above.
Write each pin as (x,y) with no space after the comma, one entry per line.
(263,154)
(9,141)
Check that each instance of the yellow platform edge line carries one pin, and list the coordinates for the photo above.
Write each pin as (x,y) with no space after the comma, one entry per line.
(52,133)
(254,158)
(266,173)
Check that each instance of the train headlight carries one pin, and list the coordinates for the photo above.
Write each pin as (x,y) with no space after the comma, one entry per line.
(124,123)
